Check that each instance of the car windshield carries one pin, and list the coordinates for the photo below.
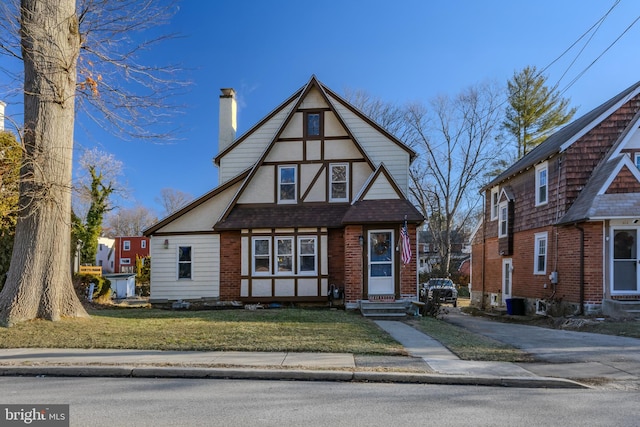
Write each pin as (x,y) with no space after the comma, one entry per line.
(440,283)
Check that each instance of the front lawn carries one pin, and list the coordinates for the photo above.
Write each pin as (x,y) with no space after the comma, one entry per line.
(295,330)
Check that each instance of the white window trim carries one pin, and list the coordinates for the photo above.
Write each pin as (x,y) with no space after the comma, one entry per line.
(346,181)
(503,207)
(540,168)
(293,256)
(538,237)
(315,256)
(495,195)
(178,262)
(125,261)
(126,245)
(253,256)
(295,184)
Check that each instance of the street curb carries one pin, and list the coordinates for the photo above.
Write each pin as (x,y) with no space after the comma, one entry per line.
(287,375)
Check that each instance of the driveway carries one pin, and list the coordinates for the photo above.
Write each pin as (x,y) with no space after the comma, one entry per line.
(555,345)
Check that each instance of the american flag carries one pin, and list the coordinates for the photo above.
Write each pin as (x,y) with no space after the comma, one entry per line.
(406,245)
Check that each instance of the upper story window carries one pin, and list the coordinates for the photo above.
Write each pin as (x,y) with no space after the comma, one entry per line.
(184,262)
(503,219)
(495,195)
(312,124)
(542,184)
(338,185)
(126,245)
(540,253)
(143,244)
(287,184)
(636,158)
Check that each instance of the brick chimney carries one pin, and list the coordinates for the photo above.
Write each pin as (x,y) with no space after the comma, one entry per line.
(228,124)
(2,105)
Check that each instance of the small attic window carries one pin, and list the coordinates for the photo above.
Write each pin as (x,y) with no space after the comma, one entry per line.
(312,124)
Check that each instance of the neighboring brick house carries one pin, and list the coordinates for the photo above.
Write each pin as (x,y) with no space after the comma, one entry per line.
(310,199)
(561,225)
(127,249)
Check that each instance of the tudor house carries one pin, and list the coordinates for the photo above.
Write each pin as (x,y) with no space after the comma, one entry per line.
(311,200)
(561,225)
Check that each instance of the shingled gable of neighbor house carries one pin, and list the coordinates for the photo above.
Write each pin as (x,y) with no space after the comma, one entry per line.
(575,219)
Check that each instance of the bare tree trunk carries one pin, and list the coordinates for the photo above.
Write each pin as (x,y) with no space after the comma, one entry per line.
(39,280)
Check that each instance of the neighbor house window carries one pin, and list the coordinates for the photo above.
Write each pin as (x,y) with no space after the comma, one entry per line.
(125,261)
(262,255)
(126,245)
(312,124)
(284,255)
(542,185)
(184,262)
(338,185)
(143,244)
(495,194)
(503,219)
(286,184)
(540,251)
(307,255)
(636,158)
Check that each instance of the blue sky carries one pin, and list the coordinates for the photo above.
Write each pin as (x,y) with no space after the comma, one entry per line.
(400,51)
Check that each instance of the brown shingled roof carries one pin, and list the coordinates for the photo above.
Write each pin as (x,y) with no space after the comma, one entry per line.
(377,211)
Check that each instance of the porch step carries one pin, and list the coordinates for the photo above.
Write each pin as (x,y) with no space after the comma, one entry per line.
(384,310)
(618,308)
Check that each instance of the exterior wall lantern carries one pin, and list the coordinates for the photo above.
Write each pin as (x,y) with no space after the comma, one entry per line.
(166,243)
(361,240)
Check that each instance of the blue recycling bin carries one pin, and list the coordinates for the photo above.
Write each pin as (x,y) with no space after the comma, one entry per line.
(515,306)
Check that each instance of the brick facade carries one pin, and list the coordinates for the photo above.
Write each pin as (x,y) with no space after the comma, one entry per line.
(230,258)
(353,263)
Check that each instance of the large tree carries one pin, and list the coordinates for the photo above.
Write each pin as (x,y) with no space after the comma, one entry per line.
(53,37)
(534,110)
(172,200)
(456,138)
(129,221)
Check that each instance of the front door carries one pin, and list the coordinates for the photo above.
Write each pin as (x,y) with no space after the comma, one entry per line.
(507,271)
(381,261)
(625,261)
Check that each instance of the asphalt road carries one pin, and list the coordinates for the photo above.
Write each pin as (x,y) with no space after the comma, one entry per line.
(188,402)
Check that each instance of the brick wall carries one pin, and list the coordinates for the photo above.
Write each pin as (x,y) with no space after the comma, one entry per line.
(353,268)
(408,273)
(230,257)
(336,257)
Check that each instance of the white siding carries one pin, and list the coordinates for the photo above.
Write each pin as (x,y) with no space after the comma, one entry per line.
(246,154)
(377,146)
(205,280)
(361,172)
(204,216)
(261,188)
(380,190)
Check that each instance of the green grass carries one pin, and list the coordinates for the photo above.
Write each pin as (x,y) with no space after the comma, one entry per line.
(295,330)
(467,345)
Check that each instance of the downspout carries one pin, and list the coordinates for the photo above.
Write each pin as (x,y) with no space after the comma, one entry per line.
(484,242)
(581,267)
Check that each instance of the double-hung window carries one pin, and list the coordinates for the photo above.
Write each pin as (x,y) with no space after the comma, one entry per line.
(262,256)
(540,253)
(542,184)
(307,255)
(185,262)
(126,245)
(284,255)
(338,185)
(287,184)
(503,219)
(495,195)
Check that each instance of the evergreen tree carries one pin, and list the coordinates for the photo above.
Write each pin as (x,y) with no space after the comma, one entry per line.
(534,111)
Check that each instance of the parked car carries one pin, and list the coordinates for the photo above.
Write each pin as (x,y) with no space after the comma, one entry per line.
(444,289)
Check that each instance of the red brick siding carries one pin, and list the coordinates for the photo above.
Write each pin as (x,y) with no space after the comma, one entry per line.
(336,257)
(408,273)
(353,268)
(230,256)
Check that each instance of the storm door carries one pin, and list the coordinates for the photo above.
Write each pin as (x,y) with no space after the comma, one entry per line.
(625,261)
(381,262)
(507,275)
